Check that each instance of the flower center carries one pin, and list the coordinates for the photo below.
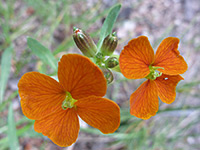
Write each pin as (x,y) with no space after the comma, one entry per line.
(68,102)
(154,73)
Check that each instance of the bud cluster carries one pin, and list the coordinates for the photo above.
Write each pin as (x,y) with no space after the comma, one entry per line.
(104,56)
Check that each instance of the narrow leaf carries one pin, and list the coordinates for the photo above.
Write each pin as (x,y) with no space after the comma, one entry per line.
(108,23)
(5,103)
(43,53)
(12,136)
(5,70)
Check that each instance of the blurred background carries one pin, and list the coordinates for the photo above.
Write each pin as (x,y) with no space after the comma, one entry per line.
(175,127)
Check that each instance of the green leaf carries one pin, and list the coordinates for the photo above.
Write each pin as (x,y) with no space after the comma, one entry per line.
(22,132)
(12,136)
(4,104)
(108,24)
(187,87)
(43,53)
(5,70)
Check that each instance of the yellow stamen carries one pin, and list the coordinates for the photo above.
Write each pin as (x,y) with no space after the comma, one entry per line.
(68,102)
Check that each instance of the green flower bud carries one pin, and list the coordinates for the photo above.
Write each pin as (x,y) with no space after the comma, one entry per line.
(84,42)
(109,44)
(99,56)
(107,74)
(111,62)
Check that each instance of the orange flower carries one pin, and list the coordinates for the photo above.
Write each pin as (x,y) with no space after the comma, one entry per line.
(55,106)
(137,60)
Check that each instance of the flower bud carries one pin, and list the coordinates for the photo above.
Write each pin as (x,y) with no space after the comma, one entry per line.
(109,44)
(84,42)
(111,62)
(107,74)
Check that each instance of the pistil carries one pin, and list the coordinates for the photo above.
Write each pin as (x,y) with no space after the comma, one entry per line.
(68,102)
(154,73)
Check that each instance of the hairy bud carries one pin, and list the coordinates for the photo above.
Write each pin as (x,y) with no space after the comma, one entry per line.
(107,74)
(111,62)
(109,44)
(84,42)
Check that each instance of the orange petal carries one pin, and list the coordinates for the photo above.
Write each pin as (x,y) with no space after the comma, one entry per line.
(61,127)
(136,57)
(101,113)
(144,101)
(167,87)
(80,76)
(40,95)
(168,57)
